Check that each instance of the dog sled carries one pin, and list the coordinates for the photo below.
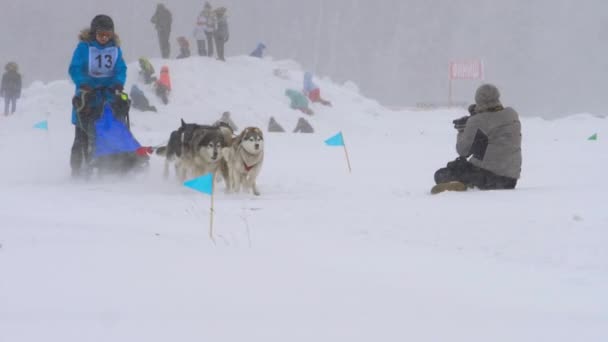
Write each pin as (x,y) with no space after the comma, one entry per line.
(103,114)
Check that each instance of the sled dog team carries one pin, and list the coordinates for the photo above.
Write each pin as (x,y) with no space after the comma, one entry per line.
(195,150)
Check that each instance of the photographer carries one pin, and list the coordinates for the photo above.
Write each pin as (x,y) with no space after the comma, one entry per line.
(489,145)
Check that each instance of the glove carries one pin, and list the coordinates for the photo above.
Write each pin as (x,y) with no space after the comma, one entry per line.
(117,88)
(461,123)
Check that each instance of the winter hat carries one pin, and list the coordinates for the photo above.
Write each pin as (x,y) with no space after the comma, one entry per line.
(487,96)
(102,22)
(11,66)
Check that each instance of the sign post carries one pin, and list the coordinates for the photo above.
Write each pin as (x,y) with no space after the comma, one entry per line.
(472,69)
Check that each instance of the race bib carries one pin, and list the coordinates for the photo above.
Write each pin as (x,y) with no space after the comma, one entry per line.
(102,61)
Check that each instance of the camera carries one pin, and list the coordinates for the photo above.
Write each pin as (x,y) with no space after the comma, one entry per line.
(460,123)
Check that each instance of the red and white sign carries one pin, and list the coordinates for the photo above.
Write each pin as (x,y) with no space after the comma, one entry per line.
(466,70)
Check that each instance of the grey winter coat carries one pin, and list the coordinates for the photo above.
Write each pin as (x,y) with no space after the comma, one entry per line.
(162,19)
(11,84)
(222,31)
(493,140)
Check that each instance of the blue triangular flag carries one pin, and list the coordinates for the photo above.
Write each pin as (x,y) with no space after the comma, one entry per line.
(203,184)
(336,140)
(112,136)
(42,125)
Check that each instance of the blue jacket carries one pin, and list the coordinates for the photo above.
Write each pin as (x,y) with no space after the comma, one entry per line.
(309,85)
(97,65)
(259,51)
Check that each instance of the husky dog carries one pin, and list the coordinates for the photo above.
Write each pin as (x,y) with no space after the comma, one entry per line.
(244,159)
(226,131)
(206,155)
(196,150)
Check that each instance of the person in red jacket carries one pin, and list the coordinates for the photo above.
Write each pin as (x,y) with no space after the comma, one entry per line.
(312,91)
(163,85)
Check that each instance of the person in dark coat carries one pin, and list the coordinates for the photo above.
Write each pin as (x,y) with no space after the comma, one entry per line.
(11,87)
(162,20)
(139,100)
(222,33)
(488,144)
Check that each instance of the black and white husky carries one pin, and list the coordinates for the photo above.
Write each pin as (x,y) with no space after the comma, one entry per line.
(244,160)
(196,150)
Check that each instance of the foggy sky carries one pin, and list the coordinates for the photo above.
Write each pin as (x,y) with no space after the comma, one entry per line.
(548,57)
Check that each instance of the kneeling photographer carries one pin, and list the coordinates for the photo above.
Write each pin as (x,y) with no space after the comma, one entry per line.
(489,146)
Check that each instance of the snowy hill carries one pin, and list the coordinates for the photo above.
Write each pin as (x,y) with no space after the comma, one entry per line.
(321,255)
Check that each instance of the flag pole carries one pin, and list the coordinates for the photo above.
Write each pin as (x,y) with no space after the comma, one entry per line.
(346,153)
(211,210)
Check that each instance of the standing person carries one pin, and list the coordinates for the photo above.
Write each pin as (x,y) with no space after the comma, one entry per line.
(199,33)
(162,20)
(209,23)
(221,33)
(489,145)
(99,72)
(11,87)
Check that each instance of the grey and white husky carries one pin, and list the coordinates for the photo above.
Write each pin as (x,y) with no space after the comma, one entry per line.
(244,160)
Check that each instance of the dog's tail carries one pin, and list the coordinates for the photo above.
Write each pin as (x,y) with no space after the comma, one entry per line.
(161,151)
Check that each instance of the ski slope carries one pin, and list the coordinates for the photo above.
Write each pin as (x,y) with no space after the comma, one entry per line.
(322,254)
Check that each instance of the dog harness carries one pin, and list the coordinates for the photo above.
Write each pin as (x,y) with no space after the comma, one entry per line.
(248,168)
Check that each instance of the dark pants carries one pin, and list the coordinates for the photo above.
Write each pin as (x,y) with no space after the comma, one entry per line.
(81,151)
(10,101)
(163,41)
(209,43)
(202,51)
(461,170)
(219,44)
(163,93)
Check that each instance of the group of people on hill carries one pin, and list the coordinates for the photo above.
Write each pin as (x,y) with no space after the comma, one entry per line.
(211,32)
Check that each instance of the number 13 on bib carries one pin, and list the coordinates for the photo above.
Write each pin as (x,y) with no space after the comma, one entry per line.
(102,61)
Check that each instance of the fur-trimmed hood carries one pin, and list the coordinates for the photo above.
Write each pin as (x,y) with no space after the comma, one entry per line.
(85,36)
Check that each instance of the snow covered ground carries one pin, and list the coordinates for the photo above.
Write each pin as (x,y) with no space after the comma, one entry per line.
(322,255)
